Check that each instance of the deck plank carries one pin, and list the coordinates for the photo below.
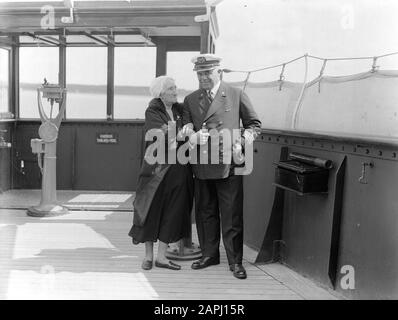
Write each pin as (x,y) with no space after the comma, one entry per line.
(298,283)
(88,255)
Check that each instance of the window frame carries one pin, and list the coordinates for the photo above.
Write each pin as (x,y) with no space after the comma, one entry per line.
(62,72)
(162,45)
(9,77)
(16,72)
(113,93)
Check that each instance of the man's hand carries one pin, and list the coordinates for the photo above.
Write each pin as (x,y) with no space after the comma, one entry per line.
(237,150)
(249,136)
(237,146)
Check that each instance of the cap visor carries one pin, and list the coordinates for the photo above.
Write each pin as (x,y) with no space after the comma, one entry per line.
(204,69)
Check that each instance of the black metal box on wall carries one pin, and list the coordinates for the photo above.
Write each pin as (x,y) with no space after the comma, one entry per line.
(302,174)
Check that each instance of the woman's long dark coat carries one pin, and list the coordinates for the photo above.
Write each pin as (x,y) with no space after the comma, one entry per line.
(151,175)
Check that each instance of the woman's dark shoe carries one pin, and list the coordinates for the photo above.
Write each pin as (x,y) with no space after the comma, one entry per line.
(170,265)
(147,264)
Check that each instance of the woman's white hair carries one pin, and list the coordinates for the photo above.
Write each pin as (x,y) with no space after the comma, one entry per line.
(158,85)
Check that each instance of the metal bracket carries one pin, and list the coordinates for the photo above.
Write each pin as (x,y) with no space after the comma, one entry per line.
(282,77)
(374,66)
(362,177)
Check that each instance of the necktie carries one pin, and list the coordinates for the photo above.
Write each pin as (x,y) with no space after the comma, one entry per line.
(210,96)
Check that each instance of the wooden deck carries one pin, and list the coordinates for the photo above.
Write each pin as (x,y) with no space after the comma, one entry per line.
(88,255)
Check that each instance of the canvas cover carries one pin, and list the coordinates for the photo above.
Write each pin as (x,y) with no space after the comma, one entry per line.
(364,104)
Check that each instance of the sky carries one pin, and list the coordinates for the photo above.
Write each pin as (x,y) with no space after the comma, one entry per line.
(260,33)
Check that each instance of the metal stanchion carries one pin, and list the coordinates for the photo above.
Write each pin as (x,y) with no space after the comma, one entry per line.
(184,249)
(46,148)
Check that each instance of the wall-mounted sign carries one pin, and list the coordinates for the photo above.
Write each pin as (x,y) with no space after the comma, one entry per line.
(107,138)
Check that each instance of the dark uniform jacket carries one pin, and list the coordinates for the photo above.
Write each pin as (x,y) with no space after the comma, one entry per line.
(229,107)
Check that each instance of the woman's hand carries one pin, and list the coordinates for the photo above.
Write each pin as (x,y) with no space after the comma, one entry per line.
(199,137)
(186,131)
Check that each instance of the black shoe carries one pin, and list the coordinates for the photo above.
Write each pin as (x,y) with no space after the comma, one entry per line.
(146,264)
(204,262)
(170,265)
(238,270)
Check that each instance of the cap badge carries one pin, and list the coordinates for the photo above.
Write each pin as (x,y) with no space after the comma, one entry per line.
(201,60)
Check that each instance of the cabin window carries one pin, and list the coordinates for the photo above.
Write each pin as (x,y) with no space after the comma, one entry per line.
(35,64)
(135,68)
(179,66)
(4,84)
(86,81)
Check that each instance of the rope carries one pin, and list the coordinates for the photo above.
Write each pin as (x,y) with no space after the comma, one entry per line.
(281,77)
(354,58)
(388,54)
(246,80)
(323,67)
(266,68)
(300,99)
(310,56)
(321,74)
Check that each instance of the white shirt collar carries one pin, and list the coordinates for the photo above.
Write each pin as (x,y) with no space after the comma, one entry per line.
(215,89)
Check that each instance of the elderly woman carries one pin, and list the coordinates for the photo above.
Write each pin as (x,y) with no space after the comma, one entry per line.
(164,196)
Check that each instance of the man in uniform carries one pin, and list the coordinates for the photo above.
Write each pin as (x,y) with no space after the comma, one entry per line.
(218,189)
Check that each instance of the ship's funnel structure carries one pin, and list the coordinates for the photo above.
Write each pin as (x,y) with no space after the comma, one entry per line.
(46,148)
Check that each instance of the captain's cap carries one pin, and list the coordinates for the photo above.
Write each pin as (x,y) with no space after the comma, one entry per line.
(204,62)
